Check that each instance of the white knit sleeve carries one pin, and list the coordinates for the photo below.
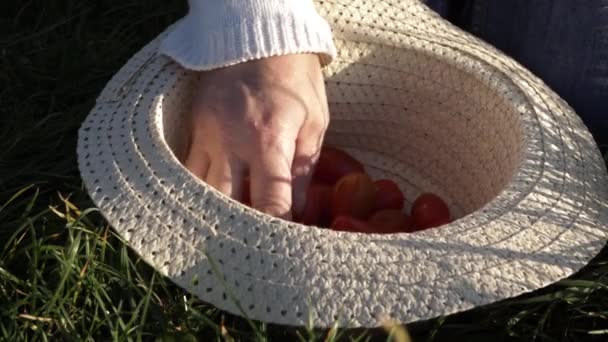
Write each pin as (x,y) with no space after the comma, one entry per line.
(218,33)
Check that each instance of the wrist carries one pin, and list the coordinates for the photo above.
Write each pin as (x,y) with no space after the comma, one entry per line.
(207,39)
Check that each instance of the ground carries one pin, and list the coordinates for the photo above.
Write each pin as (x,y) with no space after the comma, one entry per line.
(64,274)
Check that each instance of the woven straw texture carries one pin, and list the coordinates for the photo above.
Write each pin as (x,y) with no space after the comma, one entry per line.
(416,100)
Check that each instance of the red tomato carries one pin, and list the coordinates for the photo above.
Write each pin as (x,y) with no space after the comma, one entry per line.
(354,195)
(317,210)
(440,222)
(391,221)
(428,209)
(334,164)
(388,195)
(433,224)
(351,224)
(246,192)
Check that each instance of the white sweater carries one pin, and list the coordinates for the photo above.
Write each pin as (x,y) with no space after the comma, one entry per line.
(218,33)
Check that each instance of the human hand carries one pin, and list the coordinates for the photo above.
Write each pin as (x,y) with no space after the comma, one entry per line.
(265,118)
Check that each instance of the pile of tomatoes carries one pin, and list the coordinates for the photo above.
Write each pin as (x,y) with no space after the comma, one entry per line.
(343,197)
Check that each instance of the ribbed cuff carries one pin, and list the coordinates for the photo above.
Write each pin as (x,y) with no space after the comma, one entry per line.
(199,45)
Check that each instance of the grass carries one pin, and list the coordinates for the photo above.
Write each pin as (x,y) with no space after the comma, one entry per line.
(65,275)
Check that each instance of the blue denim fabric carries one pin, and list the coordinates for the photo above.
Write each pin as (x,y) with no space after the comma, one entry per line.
(564,42)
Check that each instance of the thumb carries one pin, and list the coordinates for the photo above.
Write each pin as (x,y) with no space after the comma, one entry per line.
(270,174)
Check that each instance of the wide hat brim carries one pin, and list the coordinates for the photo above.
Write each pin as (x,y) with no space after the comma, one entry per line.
(537,222)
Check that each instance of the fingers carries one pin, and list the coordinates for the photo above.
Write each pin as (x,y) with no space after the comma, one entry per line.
(223,173)
(226,175)
(270,174)
(307,149)
(267,116)
(197,161)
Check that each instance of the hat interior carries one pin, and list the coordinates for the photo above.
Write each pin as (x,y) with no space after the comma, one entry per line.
(418,119)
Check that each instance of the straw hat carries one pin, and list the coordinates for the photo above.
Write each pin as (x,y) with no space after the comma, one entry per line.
(416,100)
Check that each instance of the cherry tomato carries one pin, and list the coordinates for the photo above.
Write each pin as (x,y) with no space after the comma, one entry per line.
(388,195)
(433,224)
(334,164)
(354,195)
(351,224)
(317,210)
(440,222)
(428,209)
(246,193)
(390,221)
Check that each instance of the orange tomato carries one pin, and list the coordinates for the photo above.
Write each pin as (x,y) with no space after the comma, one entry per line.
(354,195)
